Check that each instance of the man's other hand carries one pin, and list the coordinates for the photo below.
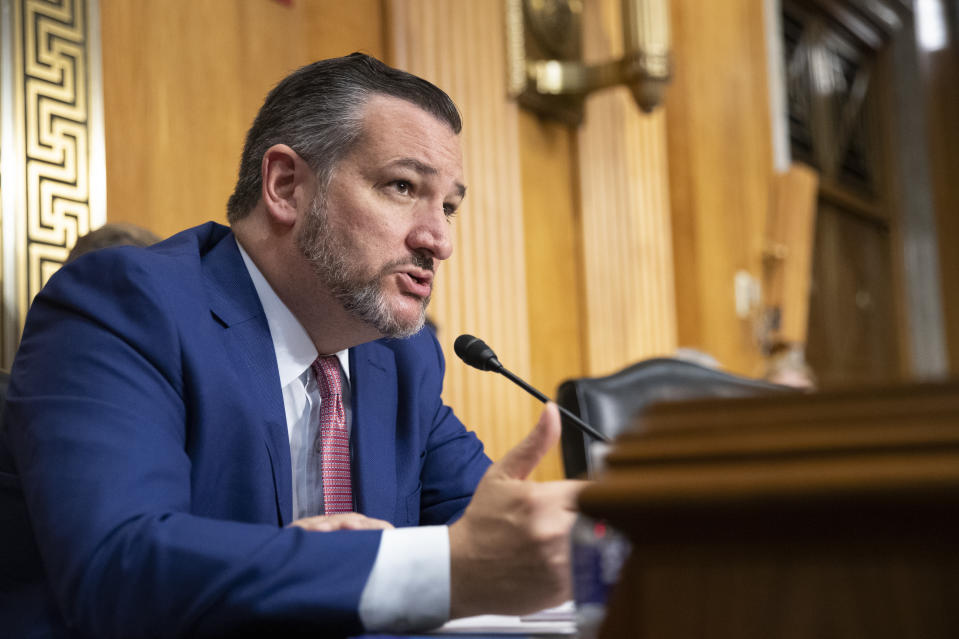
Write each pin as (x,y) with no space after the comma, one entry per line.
(509,553)
(341,521)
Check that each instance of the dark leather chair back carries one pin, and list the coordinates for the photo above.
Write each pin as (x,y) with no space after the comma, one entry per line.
(612,403)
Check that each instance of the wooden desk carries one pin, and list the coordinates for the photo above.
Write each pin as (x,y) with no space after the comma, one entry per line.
(827,515)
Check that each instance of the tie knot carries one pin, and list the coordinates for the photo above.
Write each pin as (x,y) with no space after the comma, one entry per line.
(327,371)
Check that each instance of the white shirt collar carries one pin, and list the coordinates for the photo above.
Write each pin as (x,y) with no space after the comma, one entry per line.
(295,351)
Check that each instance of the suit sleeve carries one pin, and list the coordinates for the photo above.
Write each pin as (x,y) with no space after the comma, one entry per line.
(98,428)
(455,460)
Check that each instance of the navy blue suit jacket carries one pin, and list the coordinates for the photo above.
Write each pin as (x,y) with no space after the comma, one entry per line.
(145,474)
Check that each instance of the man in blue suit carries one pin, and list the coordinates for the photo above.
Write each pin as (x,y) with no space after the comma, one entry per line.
(159,468)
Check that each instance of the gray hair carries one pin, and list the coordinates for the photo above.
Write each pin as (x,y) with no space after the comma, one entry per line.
(318,112)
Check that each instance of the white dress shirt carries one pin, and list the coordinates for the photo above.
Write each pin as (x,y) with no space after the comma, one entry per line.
(409,586)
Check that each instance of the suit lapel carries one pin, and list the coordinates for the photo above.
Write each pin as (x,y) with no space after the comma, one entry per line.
(234,302)
(373,387)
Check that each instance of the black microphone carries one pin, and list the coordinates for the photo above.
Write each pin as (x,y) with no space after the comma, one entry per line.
(477,354)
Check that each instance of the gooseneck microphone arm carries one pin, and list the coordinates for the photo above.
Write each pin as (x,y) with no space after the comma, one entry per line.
(477,354)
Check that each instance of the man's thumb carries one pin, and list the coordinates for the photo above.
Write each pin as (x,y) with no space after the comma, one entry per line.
(520,461)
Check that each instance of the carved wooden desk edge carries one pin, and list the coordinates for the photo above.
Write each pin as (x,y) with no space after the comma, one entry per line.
(806,494)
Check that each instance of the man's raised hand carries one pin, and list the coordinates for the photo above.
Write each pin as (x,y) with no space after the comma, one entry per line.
(509,553)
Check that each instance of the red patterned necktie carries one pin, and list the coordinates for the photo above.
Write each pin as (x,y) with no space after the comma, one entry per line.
(334,440)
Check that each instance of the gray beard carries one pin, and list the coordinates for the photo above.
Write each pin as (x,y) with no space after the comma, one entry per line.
(360,294)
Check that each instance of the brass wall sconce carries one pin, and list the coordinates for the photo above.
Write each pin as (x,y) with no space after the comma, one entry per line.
(546,71)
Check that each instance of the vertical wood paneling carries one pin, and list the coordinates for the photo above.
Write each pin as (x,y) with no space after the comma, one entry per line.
(458,44)
(720,166)
(554,272)
(182,81)
(626,239)
(906,186)
(939,69)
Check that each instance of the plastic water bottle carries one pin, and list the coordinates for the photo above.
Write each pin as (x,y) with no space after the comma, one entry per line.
(598,555)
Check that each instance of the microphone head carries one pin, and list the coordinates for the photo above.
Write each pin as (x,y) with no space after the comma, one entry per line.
(476,353)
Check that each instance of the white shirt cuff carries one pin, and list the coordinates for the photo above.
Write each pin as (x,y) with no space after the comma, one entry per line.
(409,586)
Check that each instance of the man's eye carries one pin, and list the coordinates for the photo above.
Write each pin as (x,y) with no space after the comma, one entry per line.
(402,186)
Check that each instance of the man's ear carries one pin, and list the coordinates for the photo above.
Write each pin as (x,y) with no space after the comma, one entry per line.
(286,184)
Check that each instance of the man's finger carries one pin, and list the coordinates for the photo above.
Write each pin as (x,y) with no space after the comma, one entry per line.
(563,493)
(520,461)
(341,521)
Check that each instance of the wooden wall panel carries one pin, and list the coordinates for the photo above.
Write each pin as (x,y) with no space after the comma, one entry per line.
(720,165)
(554,268)
(939,70)
(482,290)
(182,83)
(629,303)
(906,167)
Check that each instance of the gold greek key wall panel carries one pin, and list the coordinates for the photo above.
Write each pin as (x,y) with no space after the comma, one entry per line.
(52,160)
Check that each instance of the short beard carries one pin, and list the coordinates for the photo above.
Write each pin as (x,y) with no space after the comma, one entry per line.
(330,255)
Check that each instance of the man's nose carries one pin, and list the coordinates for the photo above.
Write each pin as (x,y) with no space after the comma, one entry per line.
(432,233)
